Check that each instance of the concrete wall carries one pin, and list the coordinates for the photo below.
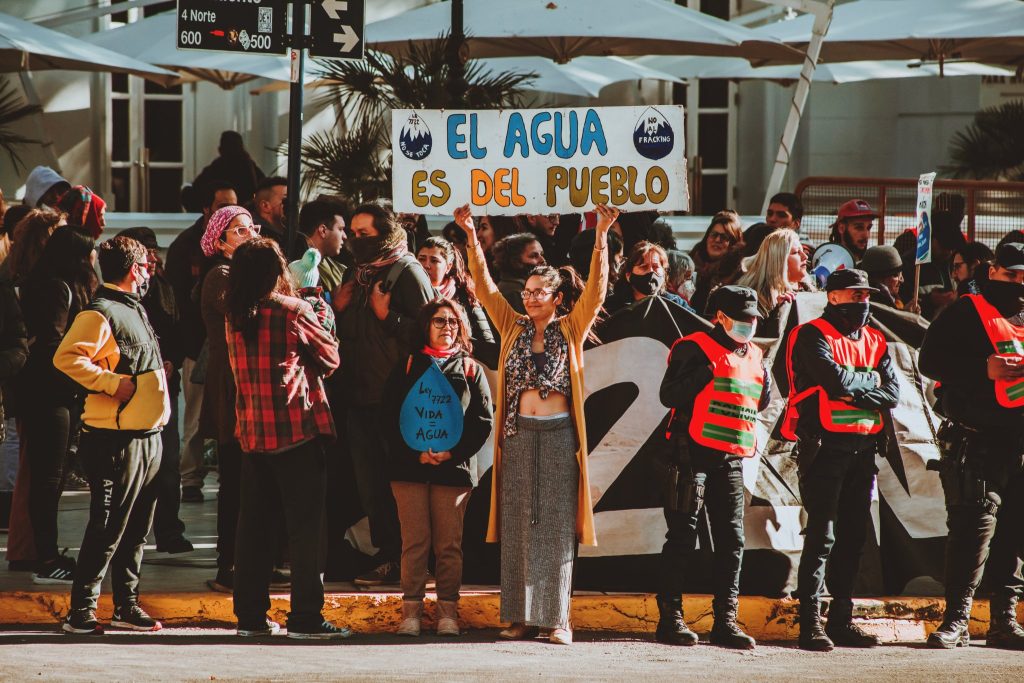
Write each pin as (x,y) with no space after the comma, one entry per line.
(889,128)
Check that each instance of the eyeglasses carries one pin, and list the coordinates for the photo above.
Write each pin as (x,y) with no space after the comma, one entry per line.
(244,230)
(721,237)
(441,322)
(536,294)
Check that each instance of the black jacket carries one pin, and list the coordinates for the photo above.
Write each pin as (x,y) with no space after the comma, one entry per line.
(955,352)
(48,308)
(813,364)
(478,415)
(184,265)
(688,374)
(13,339)
(370,348)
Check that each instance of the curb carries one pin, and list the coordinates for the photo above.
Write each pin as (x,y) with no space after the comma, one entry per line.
(891,619)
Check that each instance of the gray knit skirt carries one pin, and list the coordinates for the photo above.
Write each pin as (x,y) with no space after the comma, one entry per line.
(539,493)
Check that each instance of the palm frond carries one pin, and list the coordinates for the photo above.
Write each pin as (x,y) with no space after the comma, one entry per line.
(357,161)
(992,147)
(13,109)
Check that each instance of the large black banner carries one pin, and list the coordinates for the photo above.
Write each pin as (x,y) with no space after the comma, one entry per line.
(625,429)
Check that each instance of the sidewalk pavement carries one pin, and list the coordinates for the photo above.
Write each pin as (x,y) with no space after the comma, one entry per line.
(174,591)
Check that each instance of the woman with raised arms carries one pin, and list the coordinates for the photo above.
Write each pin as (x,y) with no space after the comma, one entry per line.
(540,495)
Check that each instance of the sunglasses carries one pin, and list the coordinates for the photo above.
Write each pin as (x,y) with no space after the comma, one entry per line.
(721,237)
(441,322)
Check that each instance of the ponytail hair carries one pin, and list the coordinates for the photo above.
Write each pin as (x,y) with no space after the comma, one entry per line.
(567,282)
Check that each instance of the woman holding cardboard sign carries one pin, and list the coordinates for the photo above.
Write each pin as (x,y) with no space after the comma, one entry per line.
(441,404)
(540,495)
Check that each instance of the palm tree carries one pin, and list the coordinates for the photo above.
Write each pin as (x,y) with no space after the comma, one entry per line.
(12,110)
(356,162)
(991,148)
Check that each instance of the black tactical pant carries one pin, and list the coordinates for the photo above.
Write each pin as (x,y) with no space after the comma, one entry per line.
(984,489)
(122,471)
(718,483)
(836,492)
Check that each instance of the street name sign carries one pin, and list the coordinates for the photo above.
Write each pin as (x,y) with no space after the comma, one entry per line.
(337,29)
(254,26)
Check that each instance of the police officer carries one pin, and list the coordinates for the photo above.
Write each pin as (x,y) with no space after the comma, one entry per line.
(840,379)
(975,349)
(715,385)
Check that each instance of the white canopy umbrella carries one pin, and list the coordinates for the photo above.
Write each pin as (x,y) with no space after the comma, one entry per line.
(582,77)
(25,46)
(837,73)
(990,31)
(153,40)
(565,29)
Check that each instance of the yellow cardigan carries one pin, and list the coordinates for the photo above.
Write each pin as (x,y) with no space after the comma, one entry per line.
(575,328)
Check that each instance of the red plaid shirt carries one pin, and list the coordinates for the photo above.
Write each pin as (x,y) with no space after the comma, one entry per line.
(281,399)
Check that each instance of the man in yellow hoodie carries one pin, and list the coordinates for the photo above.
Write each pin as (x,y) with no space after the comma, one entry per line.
(112,351)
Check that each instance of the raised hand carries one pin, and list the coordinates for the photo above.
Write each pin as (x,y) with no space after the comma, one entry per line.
(606,216)
(464,219)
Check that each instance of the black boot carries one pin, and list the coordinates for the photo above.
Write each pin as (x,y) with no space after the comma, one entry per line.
(812,635)
(672,629)
(953,631)
(1003,630)
(841,629)
(726,632)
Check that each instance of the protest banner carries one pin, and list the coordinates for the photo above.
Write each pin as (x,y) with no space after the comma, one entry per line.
(924,218)
(508,162)
(923,252)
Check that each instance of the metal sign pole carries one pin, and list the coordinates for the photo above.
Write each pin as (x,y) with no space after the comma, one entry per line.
(295,117)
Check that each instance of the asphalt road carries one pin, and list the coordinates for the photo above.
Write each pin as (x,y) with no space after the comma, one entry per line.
(212,654)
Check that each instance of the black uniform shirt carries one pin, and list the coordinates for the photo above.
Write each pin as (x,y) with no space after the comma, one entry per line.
(814,365)
(955,352)
(688,374)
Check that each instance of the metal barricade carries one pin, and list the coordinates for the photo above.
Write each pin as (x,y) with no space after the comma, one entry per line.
(993,208)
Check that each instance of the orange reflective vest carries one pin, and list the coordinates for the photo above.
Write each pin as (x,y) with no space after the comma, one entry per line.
(725,412)
(837,416)
(1008,341)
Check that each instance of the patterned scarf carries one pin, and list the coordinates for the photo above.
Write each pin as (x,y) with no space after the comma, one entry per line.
(383,250)
(447,288)
(521,371)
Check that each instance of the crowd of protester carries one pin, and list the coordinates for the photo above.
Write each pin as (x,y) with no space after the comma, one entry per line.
(293,360)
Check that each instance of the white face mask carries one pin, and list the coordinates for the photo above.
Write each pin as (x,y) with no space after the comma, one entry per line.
(739,331)
(687,289)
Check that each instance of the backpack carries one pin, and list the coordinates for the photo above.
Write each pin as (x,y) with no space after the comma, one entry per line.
(396,270)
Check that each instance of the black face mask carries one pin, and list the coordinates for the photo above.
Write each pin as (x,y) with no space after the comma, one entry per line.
(365,249)
(647,284)
(854,314)
(1007,297)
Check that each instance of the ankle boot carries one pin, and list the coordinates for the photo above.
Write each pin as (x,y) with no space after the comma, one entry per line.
(953,631)
(726,632)
(1003,630)
(412,612)
(840,627)
(447,618)
(672,628)
(812,635)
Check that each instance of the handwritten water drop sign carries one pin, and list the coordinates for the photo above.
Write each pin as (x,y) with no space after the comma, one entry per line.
(431,415)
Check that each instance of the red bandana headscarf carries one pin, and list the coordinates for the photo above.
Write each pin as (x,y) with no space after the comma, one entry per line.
(84,207)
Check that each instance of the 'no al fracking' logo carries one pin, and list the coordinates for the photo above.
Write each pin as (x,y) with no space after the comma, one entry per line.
(415,140)
(653,136)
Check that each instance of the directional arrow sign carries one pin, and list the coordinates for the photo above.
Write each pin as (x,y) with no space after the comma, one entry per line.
(257,27)
(337,29)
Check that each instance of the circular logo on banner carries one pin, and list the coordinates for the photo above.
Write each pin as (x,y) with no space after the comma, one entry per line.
(653,137)
(415,140)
